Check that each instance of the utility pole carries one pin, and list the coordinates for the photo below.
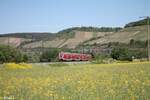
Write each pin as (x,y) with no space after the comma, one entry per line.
(8,42)
(148,37)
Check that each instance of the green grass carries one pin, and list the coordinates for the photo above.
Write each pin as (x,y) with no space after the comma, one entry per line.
(122,81)
(58,64)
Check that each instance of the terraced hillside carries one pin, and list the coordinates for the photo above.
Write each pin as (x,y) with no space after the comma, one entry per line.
(72,37)
(124,35)
(79,38)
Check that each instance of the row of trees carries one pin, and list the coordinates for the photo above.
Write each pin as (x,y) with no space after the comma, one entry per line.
(137,23)
(126,54)
(91,29)
(132,44)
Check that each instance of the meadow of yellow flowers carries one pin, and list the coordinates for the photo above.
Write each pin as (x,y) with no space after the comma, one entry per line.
(120,81)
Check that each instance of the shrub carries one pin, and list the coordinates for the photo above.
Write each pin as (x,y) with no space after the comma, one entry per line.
(50,55)
(17,66)
(11,54)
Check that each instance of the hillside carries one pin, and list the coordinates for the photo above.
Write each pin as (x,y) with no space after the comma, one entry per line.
(79,38)
(72,37)
(123,36)
(68,38)
(16,39)
(137,23)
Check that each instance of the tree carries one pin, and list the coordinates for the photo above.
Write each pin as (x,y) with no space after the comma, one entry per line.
(132,42)
(121,54)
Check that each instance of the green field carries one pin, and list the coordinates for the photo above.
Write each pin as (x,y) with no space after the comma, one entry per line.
(122,81)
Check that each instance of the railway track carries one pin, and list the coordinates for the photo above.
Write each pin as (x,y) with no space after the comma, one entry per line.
(69,63)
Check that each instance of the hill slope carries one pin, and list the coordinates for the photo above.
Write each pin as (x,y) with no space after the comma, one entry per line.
(68,38)
(72,37)
(124,35)
(137,23)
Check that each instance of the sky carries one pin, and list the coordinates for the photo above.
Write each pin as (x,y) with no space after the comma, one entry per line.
(55,15)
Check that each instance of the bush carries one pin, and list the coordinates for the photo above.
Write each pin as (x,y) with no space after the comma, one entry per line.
(50,55)
(99,58)
(10,54)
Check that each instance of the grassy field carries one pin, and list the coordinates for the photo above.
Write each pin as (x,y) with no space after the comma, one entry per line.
(122,81)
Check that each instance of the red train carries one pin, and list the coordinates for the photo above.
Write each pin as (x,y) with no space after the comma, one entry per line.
(65,56)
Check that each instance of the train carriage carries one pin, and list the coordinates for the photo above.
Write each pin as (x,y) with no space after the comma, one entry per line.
(66,56)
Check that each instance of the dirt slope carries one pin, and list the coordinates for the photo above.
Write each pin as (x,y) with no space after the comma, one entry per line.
(12,41)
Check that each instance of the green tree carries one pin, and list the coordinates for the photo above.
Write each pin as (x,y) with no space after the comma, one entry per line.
(121,54)
(50,55)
